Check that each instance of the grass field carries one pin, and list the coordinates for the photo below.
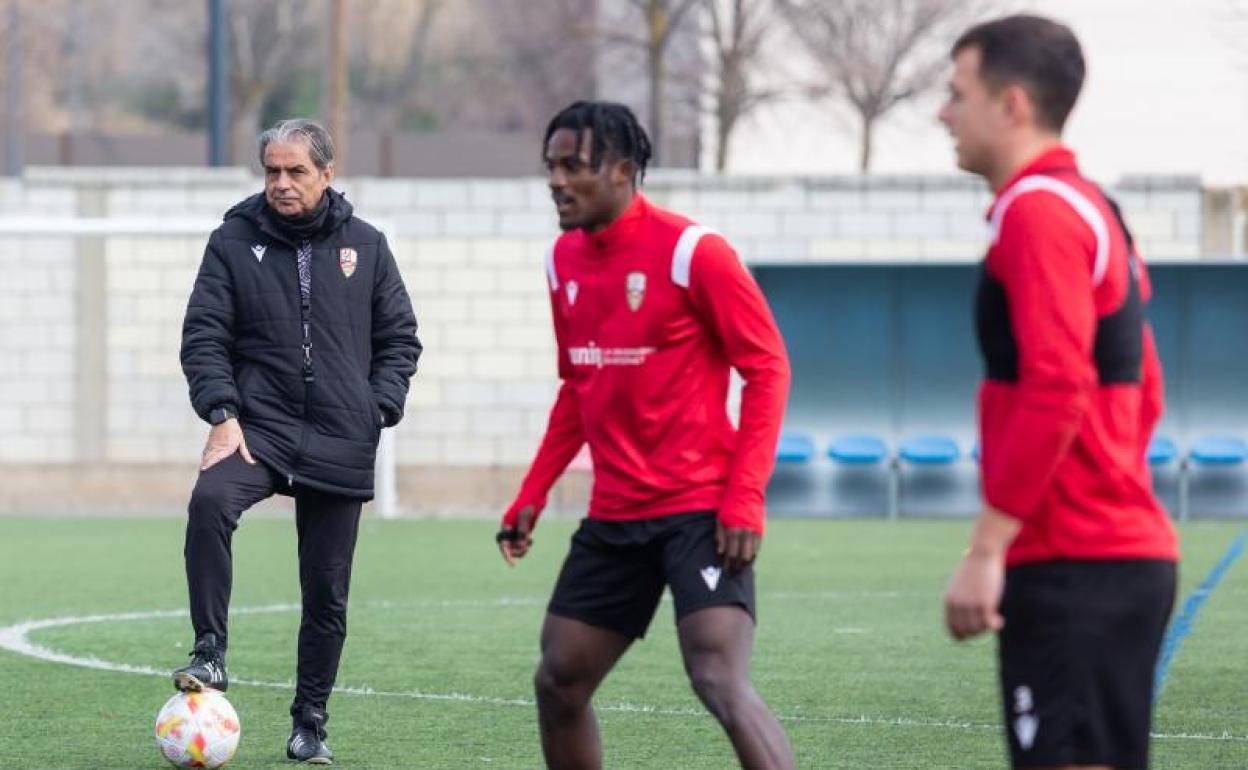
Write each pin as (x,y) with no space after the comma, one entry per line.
(443,641)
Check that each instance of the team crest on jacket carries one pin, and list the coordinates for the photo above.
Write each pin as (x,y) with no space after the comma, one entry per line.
(573,288)
(636,290)
(347,260)
(258,250)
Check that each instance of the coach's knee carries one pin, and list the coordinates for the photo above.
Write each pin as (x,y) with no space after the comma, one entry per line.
(725,693)
(209,509)
(560,689)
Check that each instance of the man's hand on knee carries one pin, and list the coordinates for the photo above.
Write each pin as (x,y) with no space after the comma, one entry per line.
(224,440)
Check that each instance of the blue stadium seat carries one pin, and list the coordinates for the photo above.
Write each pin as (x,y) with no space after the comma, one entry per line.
(857,449)
(1218,450)
(795,448)
(1162,450)
(930,450)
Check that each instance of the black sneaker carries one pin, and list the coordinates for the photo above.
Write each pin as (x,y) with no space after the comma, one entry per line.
(307,738)
(206,669)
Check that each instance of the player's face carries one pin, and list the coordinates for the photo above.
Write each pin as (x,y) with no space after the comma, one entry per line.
(293,185)
(973,114)
(585,197)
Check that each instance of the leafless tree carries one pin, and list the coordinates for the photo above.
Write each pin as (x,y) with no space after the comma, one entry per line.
(738,32)
(541,62)
(391,62)
(268,43)
(652,26)
(876,54)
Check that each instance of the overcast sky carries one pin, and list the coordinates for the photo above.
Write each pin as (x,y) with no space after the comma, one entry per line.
(1166,93)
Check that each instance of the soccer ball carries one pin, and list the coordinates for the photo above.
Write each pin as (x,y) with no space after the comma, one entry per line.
(197,729)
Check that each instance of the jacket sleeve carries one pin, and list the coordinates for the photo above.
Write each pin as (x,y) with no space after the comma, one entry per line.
(208,334)
(396,349)
(726,296)
(1044,260)
(563,439)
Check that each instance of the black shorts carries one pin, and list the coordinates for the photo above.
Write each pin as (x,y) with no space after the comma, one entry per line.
(1077,657)
(616,570)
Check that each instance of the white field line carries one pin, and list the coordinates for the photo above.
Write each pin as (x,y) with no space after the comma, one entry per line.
(16,638)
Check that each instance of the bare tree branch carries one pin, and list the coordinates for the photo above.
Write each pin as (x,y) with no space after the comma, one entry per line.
(876,54)
(738,31)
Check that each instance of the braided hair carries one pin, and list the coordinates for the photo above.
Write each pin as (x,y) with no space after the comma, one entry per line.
(614,130)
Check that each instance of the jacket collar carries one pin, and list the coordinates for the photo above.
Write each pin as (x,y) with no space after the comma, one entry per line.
(1055,160)
(1058,159)
(625,226)
(255,210)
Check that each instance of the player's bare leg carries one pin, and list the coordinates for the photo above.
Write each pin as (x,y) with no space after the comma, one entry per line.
(576,657)
(716,643)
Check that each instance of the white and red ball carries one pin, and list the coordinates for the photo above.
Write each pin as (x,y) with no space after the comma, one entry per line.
(198,729)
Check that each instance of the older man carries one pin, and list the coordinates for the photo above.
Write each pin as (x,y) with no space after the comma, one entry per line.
(298,346)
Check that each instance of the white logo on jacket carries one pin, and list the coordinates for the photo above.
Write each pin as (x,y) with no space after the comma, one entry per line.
(347,260)
(592,355)
(636,288)
(258,250)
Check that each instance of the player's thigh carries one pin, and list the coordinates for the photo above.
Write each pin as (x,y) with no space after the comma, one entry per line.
(576,654)
(695,572)
(610,578)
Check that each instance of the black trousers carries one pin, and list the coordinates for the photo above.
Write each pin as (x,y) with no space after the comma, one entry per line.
(327,526)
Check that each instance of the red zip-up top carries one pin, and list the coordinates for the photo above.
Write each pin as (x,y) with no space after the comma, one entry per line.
(650,314)
(1073,388)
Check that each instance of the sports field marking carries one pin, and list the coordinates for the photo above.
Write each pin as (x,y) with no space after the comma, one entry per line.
(1181,625)
(16,638)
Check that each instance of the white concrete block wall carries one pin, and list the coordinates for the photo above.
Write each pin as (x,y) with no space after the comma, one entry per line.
(471,253)
(150,419)
(37,348)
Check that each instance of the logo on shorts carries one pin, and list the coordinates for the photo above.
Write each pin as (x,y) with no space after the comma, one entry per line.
(347,260)
(710,576)
(1026,725)
(258,250)
(636,291)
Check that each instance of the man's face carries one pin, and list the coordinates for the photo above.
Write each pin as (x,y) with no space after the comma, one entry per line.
(293,185)
(585,197)
(974,114)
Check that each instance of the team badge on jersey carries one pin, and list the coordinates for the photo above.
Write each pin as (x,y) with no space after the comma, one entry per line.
(573,287)
(347,260)
(636,286)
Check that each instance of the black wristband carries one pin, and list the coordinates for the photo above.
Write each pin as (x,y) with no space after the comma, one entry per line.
(508,535)
(221,414)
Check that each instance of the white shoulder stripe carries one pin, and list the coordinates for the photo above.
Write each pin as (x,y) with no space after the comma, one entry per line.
(1075,199)
(682,258)
(551,276)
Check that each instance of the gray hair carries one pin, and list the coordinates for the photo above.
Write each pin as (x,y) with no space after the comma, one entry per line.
(320,143)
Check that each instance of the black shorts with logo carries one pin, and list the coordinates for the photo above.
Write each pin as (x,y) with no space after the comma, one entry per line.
(616,570)
(1077,656)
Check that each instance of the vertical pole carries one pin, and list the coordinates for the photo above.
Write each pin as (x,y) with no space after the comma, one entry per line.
(74,57)
(218,102)
(338,81)
(14,125)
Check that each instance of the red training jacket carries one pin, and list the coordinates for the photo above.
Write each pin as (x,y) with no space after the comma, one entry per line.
(1073,388)
(650,314)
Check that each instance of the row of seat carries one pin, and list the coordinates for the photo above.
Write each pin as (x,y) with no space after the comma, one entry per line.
(864,449)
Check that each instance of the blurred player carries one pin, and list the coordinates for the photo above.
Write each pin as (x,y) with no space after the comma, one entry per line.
(1073,560)
(650,311)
